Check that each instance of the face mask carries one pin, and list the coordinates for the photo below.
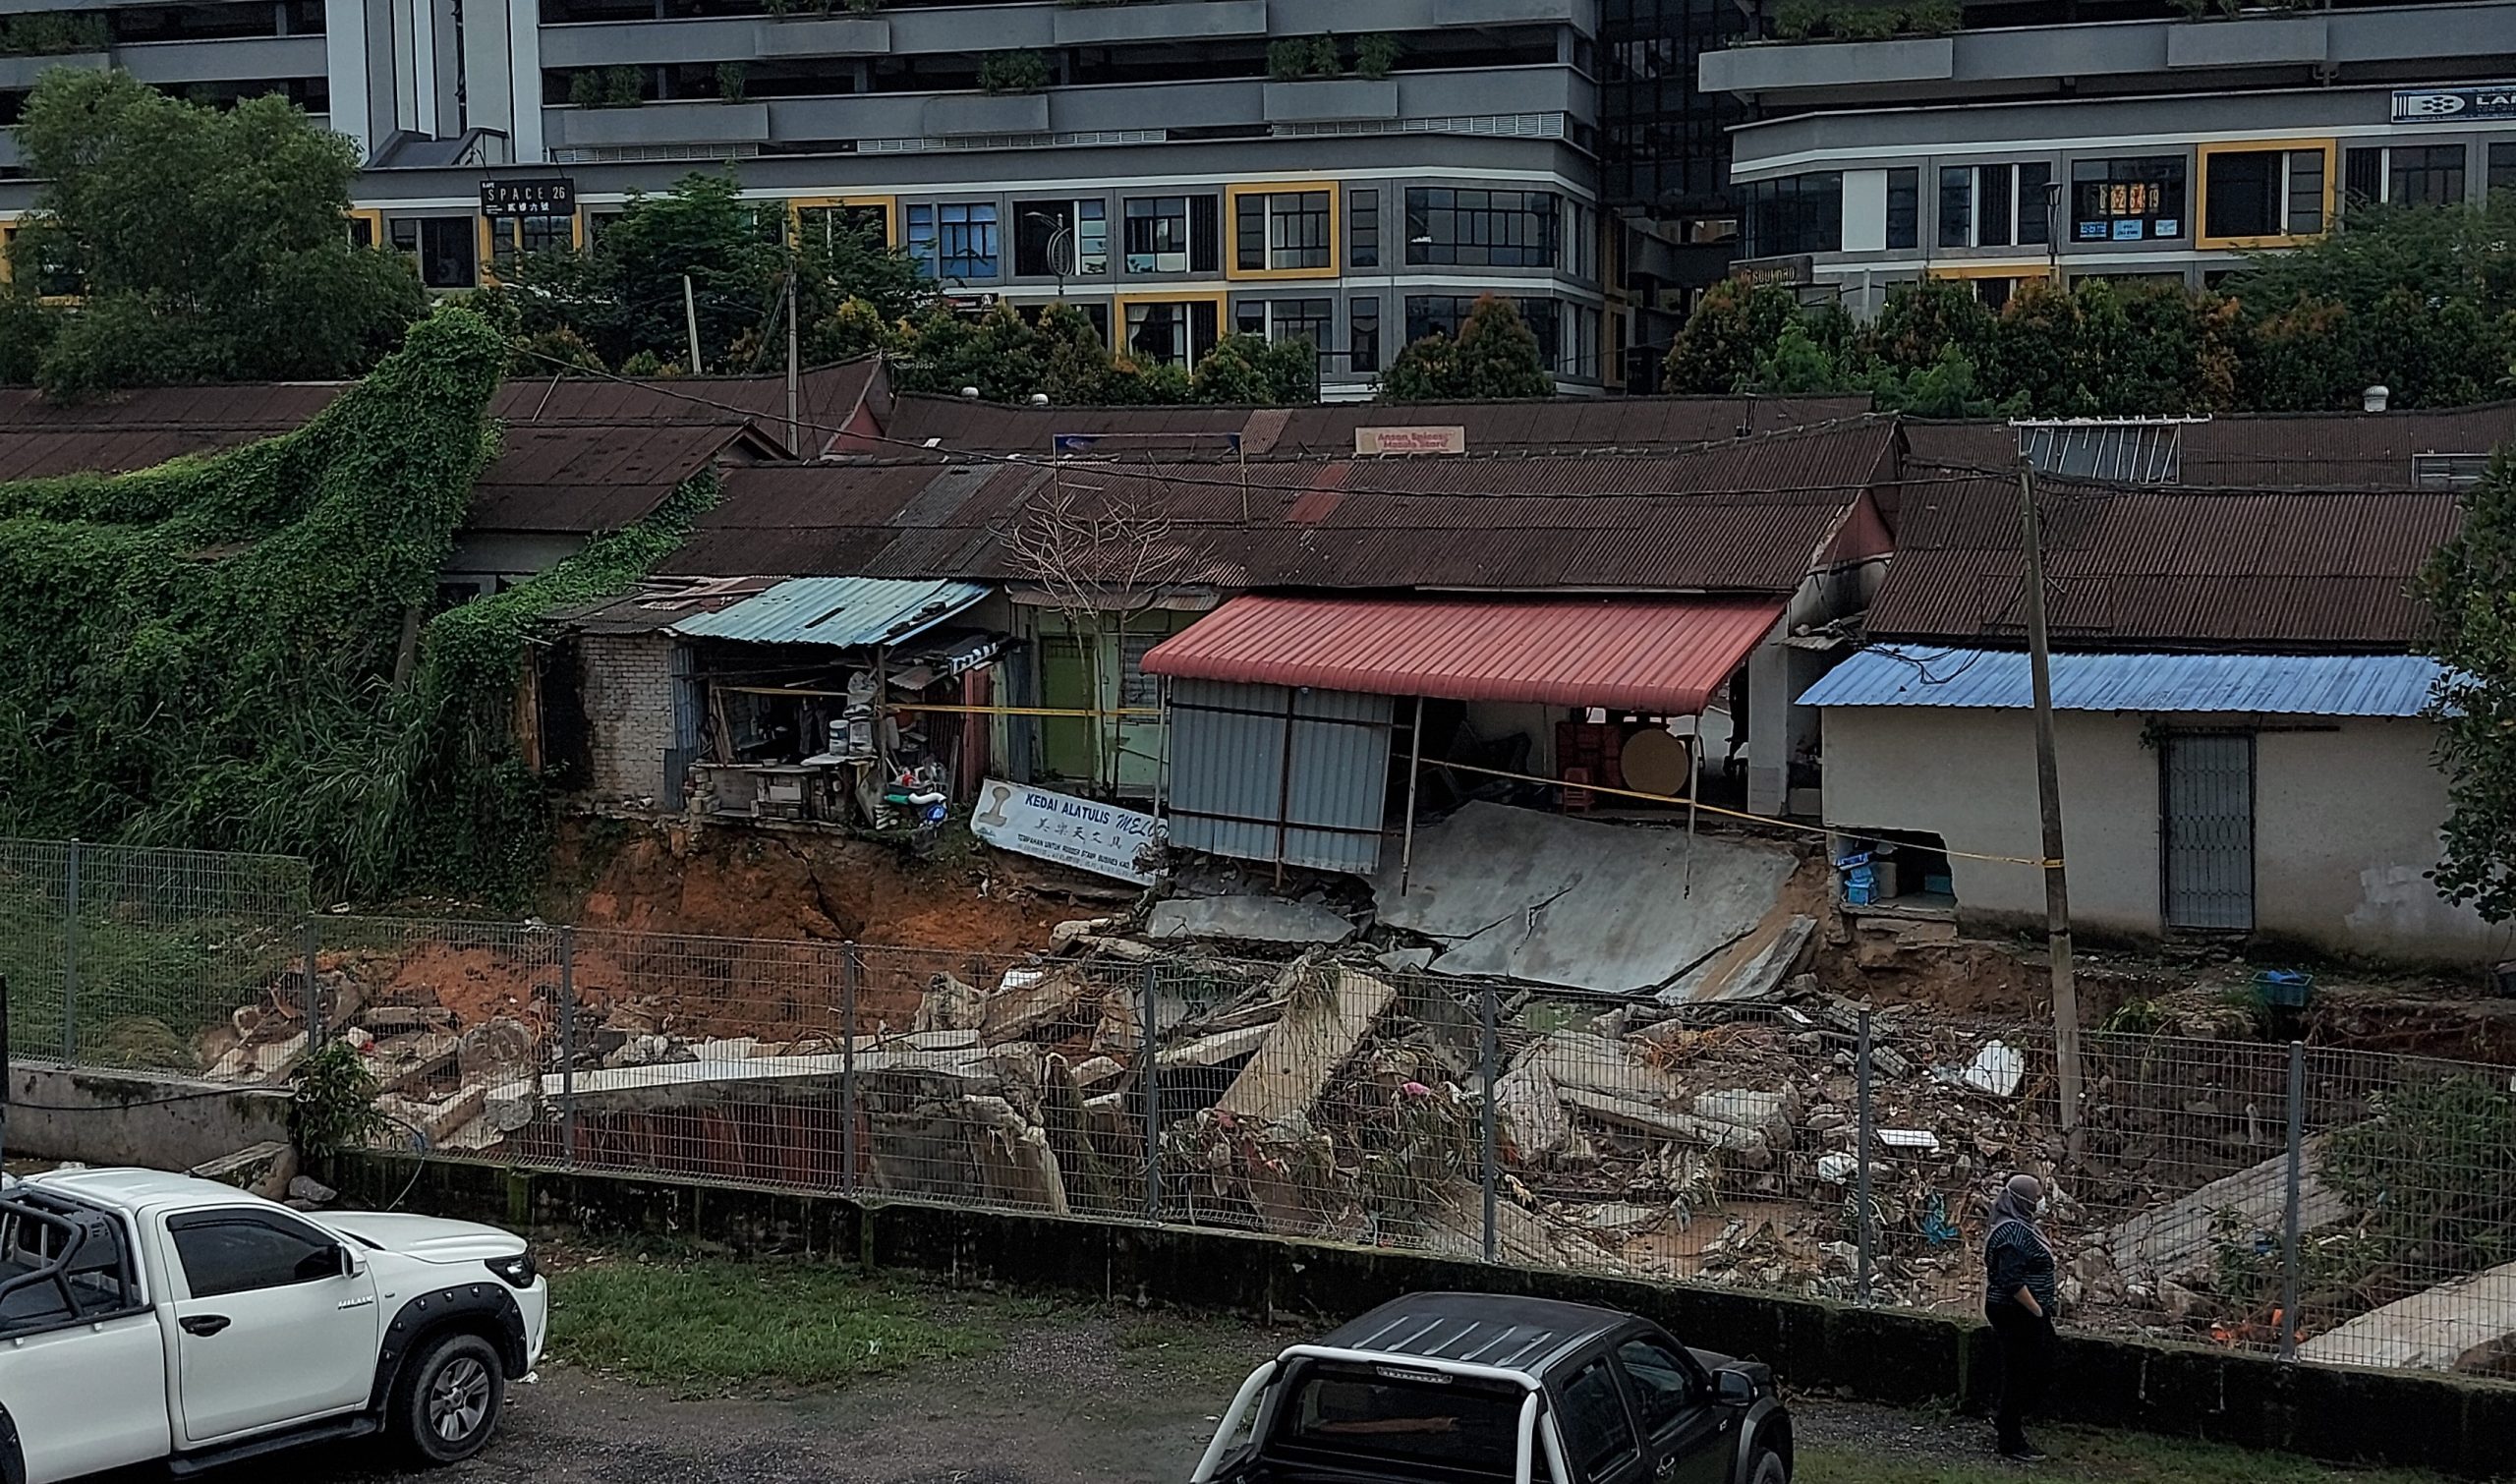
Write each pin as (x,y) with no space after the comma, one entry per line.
(2043,1205)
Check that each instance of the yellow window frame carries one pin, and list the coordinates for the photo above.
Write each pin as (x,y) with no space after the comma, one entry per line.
(2201,203)
(796,207)
(374,216)
(513,228)
(1231,229)
(1119,317)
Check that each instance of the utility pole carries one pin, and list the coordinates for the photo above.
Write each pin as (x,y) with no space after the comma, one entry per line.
(794,371)
(690,316)
(2048,795)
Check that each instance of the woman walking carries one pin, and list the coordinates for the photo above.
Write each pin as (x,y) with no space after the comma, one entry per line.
(2019,1272)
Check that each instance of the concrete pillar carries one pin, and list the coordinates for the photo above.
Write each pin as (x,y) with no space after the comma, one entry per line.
(1768,725)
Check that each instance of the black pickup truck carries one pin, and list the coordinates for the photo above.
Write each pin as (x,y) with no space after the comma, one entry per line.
(1454,1388)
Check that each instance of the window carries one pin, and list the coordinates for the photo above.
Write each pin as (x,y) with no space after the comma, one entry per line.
(361,228)
(954,239)
(1363,228)
(830,227)
(2502,167)
(1363,334)
(1500,229)
(1798,213)
(1063,238)
(1282,230)
(1171,332)
(1310,319)
(1171,234)
(2362,175)
(1443,313)
(2035,203)
(2254,194)
(227,1252)
(1596,1428)
(1993,206)
(1903,208)
(1468,1425)
(2429,175)
(2134,199)
(1956,207)
(1664,1384)
(2406,174)
(446,247)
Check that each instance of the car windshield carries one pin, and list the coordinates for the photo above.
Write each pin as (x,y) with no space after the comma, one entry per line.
(1421,1417)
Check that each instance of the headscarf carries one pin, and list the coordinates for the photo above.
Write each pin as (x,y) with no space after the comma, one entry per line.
(2017,1203)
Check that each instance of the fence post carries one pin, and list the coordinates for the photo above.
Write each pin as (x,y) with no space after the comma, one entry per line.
(850,967)
(2289,1211)
(69,962)
(1863,1214)
(568,1048)
(1148,1055)
(314,988)
(1490,1169)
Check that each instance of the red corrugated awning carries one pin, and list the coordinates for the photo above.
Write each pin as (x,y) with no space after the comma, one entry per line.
(1633,654)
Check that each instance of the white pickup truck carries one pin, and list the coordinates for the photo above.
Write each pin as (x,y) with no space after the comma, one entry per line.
(147,1316)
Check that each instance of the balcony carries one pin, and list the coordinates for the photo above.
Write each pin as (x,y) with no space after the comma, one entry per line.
(2002,59)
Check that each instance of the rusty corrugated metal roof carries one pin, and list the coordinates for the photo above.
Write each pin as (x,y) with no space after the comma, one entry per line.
(2277,571)
(1563,424)
(1651,655)
(578,479)
(2265,450)
(1754,517)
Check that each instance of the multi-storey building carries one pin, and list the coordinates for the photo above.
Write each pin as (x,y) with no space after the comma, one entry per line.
(1997,141)
(1178,169)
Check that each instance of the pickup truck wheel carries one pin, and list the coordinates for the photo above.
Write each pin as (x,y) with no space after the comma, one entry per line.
(1768,1469)
(447,1400)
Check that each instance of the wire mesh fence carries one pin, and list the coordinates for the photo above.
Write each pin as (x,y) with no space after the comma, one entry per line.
(118,956)
(2329,1204)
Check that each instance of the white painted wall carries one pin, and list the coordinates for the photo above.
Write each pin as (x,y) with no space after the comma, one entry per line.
(2346,822)
(1865,211)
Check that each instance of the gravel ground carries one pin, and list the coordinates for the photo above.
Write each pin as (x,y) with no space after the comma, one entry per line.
(1077,1405)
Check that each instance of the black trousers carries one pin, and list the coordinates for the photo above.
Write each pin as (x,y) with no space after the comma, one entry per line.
(2026,1365)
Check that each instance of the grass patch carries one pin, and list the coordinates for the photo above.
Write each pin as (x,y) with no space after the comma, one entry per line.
(703,1325)
(2081,1454)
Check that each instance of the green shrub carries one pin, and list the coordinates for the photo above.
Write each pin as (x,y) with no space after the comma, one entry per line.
(1003,72)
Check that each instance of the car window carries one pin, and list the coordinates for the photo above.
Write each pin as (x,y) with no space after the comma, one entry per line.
(1664,1388)
(239,1251)
(1431,1419)
(1596,1430)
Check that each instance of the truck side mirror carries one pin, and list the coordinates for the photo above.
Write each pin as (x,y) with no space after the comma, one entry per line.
(353,1262)
(1734,1388)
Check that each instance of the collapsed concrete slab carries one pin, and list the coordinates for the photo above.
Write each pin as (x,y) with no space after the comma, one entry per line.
(1516,894)
(1323,1023)
(1247,919)
(2177,1242)
(2466,1325)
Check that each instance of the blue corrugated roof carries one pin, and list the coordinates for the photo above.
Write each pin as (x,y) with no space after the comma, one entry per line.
(2298,685)
(842,611)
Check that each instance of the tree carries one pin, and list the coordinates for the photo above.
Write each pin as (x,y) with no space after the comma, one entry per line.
(2469,586)
(206,245)
(1494,356)
(1253,370)
(1736,322)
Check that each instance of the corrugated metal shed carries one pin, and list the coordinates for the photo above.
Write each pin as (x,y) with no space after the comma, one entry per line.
(2156,568)
(1264,774)
(1649,655)
(844,612)
(2288,685)
(584,477)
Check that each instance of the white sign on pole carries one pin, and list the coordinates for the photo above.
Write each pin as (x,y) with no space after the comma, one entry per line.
(1101,838)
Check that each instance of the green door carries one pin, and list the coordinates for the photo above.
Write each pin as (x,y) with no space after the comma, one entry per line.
(1065,683)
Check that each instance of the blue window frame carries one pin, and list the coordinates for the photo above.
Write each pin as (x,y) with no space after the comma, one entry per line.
(955,240)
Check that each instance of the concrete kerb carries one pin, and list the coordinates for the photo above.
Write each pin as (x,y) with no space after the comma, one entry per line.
(1901,1357)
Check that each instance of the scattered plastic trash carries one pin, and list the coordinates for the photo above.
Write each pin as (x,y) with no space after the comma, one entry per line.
(1997,1069)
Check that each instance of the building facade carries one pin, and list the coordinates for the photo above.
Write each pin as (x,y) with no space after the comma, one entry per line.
(1176,169)
(2127,140)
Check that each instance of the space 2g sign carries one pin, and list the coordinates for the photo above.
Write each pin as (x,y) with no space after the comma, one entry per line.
(1101,838)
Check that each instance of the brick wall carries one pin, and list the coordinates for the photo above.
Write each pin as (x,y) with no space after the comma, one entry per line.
(628,697)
